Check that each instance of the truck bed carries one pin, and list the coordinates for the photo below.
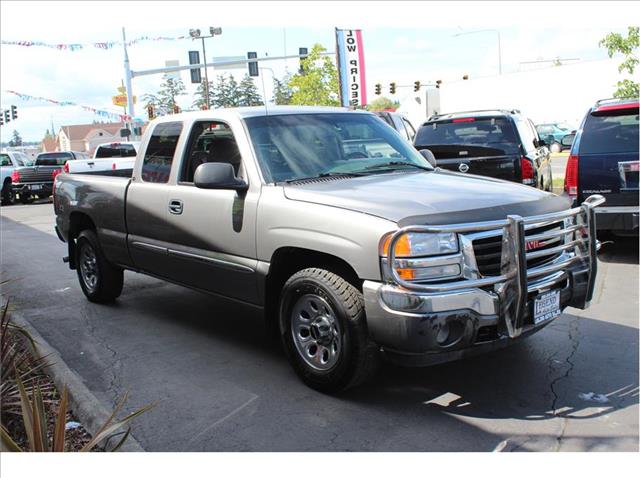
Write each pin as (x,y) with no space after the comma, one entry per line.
(102,198)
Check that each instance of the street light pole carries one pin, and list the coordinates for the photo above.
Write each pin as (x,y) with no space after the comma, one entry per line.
(195,33)
(206,76)
(499,43)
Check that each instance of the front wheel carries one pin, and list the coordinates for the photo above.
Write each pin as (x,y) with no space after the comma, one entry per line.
(100,280)
(324,332)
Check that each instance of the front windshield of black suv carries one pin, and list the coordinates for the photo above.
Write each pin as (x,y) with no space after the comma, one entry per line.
(53,159)
(298,146)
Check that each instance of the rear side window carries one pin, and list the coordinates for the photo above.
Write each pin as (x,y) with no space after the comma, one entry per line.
(472,131)
(53,159)
(115,151)
(5,160)
(610,134)
(158,157)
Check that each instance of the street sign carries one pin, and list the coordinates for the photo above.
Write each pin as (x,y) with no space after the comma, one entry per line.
(121,100)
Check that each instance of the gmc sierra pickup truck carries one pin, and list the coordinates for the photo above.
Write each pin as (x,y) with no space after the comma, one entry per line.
(339,230)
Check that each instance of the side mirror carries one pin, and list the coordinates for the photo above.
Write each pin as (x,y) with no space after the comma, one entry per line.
(428,155)
(218,176)
(567,140)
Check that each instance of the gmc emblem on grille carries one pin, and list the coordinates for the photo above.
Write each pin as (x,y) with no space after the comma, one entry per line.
(530,245)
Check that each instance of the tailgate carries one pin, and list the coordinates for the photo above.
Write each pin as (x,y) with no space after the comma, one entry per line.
(484,161)
(613,175)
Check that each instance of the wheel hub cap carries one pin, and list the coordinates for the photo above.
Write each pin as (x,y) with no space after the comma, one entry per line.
(316,332)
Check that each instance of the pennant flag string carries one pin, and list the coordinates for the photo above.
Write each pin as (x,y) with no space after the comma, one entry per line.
(96,111)
(99,45)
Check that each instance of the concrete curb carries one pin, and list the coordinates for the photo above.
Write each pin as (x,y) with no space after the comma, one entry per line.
(86,407)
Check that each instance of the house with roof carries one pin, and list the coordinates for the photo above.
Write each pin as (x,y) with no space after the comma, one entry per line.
(86,137)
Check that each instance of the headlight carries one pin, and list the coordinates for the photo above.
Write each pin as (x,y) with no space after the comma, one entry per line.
(415,244)
(415,253)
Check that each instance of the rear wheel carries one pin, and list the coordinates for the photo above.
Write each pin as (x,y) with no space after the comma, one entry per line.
(8,196)
(323,330)
(100,280)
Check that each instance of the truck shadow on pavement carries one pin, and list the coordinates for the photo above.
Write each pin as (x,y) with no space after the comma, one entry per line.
(618,249)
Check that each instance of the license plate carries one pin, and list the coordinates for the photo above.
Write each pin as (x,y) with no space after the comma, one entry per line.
(36,187)
(546,306)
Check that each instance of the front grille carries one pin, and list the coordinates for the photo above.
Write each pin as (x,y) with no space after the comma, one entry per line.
(488,250)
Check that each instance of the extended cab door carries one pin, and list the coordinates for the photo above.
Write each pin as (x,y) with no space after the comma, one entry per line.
(212,232)
(147,219)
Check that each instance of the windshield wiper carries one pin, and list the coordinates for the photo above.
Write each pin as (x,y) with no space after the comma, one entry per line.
(326,175)
(394,165)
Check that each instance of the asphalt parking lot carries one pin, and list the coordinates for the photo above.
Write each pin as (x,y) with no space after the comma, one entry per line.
(222,385)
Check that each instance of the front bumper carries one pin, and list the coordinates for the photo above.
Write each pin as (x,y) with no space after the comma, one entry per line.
(421,324)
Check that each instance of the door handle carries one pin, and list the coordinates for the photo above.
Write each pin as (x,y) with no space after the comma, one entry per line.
(175,206)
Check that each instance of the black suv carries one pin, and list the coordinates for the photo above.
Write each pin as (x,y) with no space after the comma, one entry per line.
(501,144)
(605,160)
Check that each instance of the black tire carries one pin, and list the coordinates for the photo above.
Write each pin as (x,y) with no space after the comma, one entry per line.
(8,196)
(26,198)
(357,358)
(44,196)
(100,280)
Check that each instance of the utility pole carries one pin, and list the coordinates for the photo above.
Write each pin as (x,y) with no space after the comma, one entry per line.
(206,75)
(127,75)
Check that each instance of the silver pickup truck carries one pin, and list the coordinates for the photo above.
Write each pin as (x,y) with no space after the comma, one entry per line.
(333,225)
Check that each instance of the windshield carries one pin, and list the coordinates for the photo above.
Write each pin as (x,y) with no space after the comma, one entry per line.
(467,131)
(298,146)
(118,150)
(52,159)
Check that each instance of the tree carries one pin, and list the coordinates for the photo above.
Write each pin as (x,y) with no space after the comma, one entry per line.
(200,95)
(16,139)
(616,43)
(282,92)
(225,93)
(318,82)
(165,100)
(247,93)
(383,103)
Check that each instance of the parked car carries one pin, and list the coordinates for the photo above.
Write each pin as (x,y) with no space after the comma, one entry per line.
(552,134)
(344,254)
(115,159)
(399,122)
(9,161)
(604,160)
(500,144)
(37,179)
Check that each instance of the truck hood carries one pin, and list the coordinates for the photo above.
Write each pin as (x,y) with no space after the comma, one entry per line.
(438,197)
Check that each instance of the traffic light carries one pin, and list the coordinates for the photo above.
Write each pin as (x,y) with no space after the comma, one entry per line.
(392,88)
(196,74)
(151,112)
(378,88)
(465,77)
(416,86)
(14,112)
(176,109)
(253,65)
(6,116)
(438,83)
(303,53)
(1,120)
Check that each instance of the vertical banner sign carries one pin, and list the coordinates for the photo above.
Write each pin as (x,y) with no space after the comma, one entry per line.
(351,70)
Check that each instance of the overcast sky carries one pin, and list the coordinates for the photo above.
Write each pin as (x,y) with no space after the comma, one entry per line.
(403,42)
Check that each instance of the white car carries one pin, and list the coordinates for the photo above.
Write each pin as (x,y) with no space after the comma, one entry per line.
(115,157)
(9,160)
